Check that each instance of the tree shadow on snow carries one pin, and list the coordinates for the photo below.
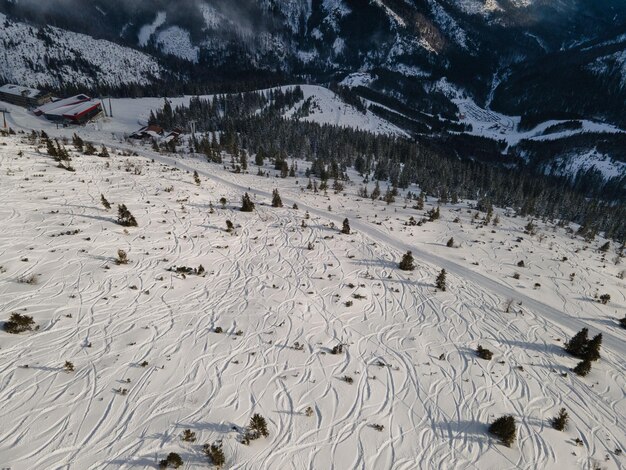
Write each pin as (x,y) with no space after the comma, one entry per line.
(538,347)
(219,428)
(465,430)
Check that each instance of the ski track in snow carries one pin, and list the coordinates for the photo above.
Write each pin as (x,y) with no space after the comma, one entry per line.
(264,282)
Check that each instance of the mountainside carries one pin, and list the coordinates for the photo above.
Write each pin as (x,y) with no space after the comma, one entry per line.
(489,48)
(53,57)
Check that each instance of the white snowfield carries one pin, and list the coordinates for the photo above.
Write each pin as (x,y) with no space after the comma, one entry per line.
(410,349)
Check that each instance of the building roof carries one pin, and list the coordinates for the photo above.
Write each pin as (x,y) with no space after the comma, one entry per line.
(73,110)
(18,90)
(49,108)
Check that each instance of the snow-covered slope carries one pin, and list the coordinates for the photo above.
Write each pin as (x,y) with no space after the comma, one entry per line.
(54,57)
(325,107)
(149,363)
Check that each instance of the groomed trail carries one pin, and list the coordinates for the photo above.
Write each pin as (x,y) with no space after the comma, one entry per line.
(409,349)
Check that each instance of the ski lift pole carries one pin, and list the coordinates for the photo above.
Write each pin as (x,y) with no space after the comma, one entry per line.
(4,117)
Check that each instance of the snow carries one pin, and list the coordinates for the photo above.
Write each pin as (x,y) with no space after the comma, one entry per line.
(357,79)
(573,163)
(336,10)
(177,41)
(146,31)
(498,126)
(19,90)
(409,348)
(408,70)
(327,108)
(609,64)
(397,19)
(448,24)
(338,46)
(478,7)
(307,56)
(24,57)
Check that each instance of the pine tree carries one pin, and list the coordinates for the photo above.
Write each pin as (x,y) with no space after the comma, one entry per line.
(89,149)
(375,192)
(196,177)
(576,345)
(407,263)
(124,217)
(560,421)
(420,202)
(582,368)
(276,200)
(441,280)
(104,153)
(591,351)
(504,428)
(259,159)
(389,197)
(258,425)
(346,227)
(450,243)
(77,142)
(604,248)
(246,203)
(105,203)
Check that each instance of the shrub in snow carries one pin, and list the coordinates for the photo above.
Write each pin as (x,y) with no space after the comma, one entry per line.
(345,229)
(256,429)
(582,368)
(188,436)
(215,454)
(68,366)
(504,429)
(407,263)
(18,323)
(450,242)
(441,280)
(276,200)
(172,460)
(105,203)
(124,217)
(576,345)
(605,298)
(246,203)
(560,421)
(483,353)
(591,351)
(122,257)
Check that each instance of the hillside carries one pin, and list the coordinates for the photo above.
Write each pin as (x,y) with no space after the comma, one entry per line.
(52,58)
(285,287)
